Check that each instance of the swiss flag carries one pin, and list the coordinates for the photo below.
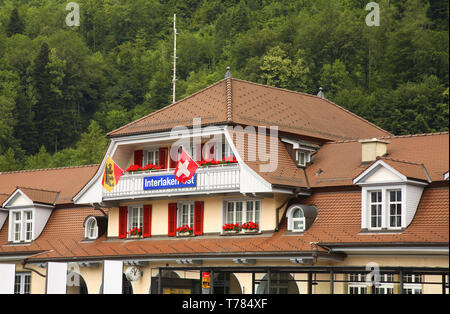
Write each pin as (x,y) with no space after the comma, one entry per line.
(186,168)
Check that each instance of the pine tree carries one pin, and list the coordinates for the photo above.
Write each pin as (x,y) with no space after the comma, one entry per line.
(44,118)
(15,25)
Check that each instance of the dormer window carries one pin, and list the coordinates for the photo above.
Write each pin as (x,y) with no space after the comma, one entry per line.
(390,198)
(91,228)
(301,151)
(300,217)
(298,220)
(29,210)
(303,157)
(22,225)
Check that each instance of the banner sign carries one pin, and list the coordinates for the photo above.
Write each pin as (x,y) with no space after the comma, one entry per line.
(167,182)
(206,280)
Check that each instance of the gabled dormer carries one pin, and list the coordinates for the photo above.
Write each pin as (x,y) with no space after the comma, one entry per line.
(301,151)
(29,210)
(391,192)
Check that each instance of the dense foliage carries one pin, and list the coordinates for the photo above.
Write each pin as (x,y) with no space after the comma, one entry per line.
(62,88)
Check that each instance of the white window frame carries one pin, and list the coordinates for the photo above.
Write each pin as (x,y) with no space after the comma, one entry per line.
(306,157)
(386,284)
(413,286)
(22,225)
(89,228)
(244,218)
(154,161)
(293,219)
(385,207)
(396,203)
(21,282)
(379,205)
(356,282)
(190,216)
(130,215)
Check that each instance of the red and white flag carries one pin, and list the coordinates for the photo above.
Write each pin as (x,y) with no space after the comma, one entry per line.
(186,168)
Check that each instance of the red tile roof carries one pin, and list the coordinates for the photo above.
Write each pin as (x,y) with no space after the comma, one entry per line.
(338,221)
(67,181)
(338,163)
(246,103)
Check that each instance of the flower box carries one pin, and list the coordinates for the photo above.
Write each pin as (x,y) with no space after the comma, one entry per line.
(134,236)
(231,228)
(184,231)
(184,234)
(135,233)
(250,227)
(138,169)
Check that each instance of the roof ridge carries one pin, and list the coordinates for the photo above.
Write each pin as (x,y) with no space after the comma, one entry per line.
(392,137)
(402,161)
(36,189)
(47,169)
(164,108)
(229,91)
(417,135)
(314,96)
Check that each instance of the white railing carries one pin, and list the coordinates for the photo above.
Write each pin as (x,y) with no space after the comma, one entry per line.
(220,178)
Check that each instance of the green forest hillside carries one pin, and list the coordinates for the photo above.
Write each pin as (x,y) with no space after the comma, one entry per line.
(62,88)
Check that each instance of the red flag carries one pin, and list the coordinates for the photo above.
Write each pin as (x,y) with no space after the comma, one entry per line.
(186,168)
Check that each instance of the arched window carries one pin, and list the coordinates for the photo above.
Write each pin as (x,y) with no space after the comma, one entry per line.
(91,228)
(298,220)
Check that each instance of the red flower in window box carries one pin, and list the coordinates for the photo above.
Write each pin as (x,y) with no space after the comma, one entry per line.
(135,231)
(232,227)
(250,226)
(185,229)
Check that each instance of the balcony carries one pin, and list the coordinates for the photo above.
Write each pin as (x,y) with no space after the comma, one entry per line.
(219,178)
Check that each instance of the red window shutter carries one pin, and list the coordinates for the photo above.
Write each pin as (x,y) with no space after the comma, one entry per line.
(138,155)
(198,218)
(147,223)
(163,152)
(172,219)
(173,163)
(122,222)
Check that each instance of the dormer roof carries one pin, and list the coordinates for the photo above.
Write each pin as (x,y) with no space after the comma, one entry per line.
(400,171)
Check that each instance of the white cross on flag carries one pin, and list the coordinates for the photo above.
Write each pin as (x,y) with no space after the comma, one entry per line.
(186,168)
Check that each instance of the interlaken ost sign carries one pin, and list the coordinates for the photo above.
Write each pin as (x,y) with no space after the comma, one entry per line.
(167,182)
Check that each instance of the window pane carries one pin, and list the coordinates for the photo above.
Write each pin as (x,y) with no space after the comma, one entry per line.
(27,284)
(238,212)
(230,212)
(17,285)
(249,211)
(257,211)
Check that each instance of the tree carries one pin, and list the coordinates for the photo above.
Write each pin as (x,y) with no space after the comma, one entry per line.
(280,71)
(15,25)
(92,145)
(334,77)
(9,83)
(40,160)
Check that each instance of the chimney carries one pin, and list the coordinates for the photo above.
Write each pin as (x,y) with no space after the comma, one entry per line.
(373,148)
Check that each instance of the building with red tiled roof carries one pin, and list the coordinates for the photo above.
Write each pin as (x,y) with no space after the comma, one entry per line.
(288,184)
